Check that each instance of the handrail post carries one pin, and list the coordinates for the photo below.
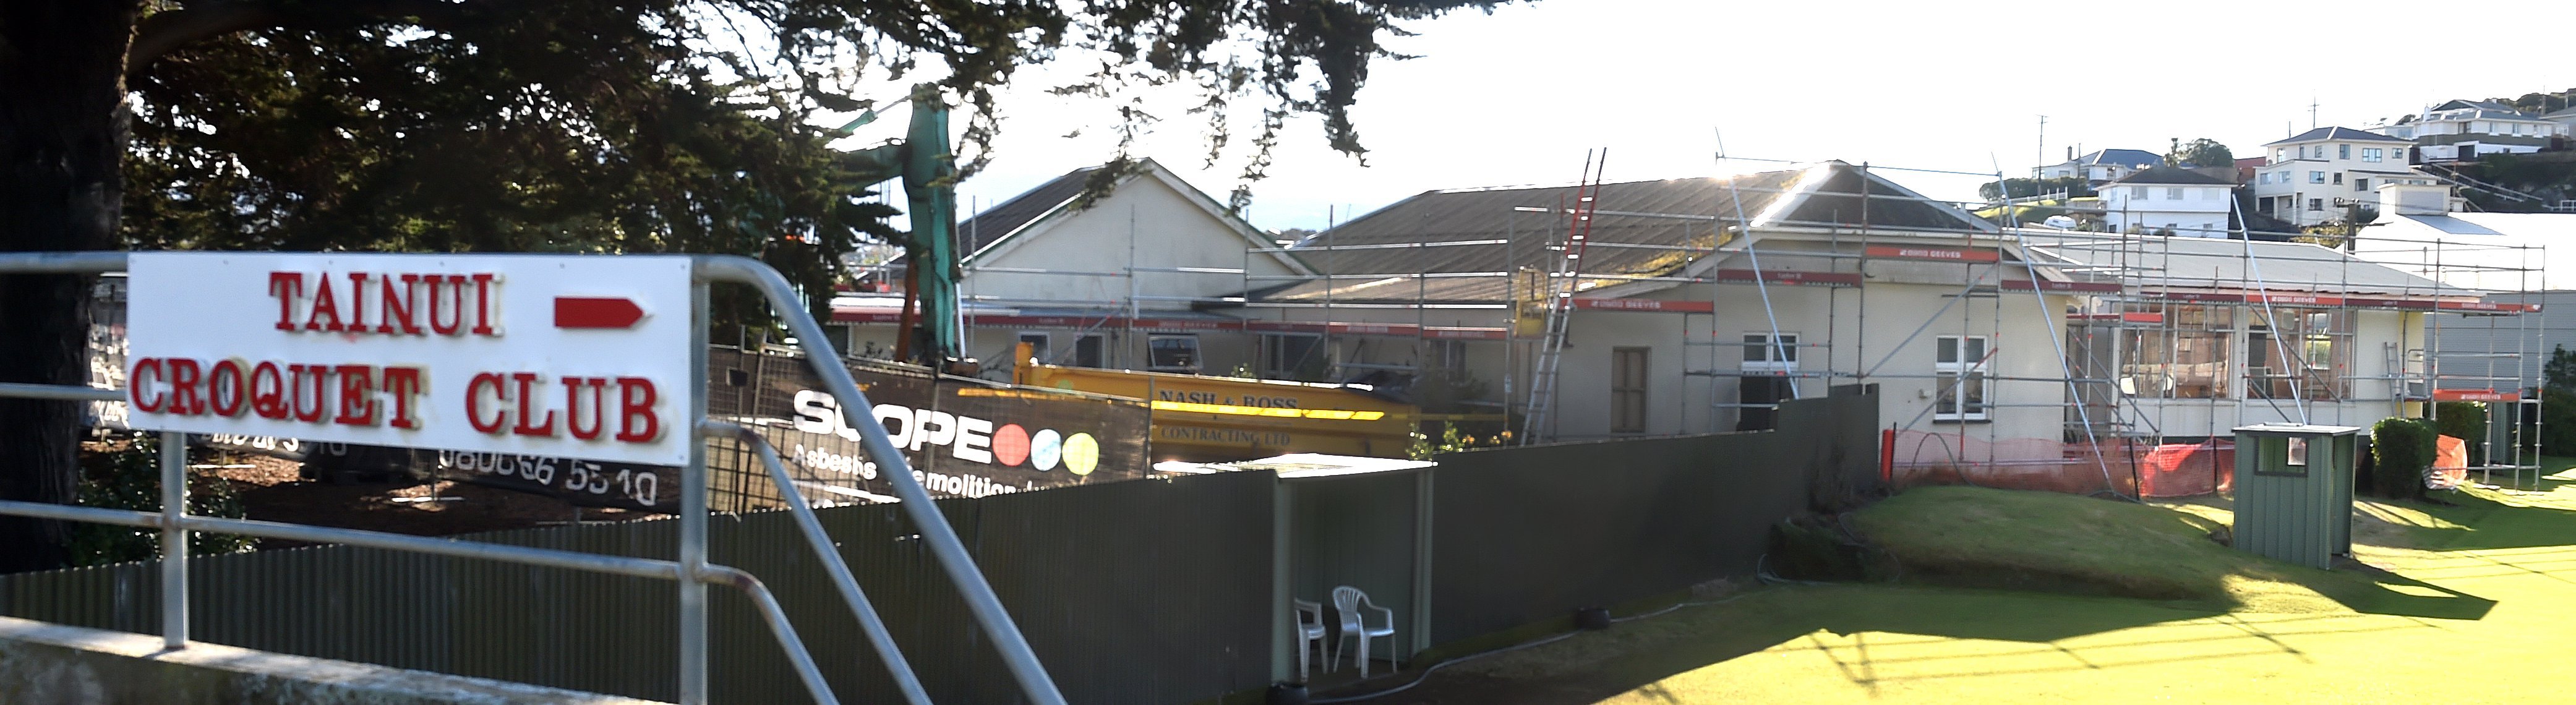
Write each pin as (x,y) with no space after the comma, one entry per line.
(174,540)
(693,514)
(936,534)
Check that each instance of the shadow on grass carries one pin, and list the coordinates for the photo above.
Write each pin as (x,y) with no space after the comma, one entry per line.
(1879,634)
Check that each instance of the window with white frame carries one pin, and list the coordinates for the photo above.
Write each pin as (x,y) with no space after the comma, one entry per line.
(2316,177)
(2361,184)
(2137,193)
(2343,151)
(1960,364)
(2370,154)
(2285,177)
(2264,178)
(1296,356)
(2316,204)
(2173,193)
(2338,178)
(1762,355)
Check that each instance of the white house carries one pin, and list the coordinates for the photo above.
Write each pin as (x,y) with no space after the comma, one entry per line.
(2168,201)
(1112,282)
(2565,118)
(2503,343)
(2100,165)
(2461,130)
(1701,303)
(2312,177)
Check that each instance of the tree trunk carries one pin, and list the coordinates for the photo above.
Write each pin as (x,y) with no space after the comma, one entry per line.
(63,126)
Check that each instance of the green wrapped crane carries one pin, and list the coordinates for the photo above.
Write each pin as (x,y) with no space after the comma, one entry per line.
(928,167)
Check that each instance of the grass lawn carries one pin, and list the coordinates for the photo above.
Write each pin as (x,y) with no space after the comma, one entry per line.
(2472,602)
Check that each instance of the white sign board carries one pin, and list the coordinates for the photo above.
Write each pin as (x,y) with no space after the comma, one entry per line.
(568,356)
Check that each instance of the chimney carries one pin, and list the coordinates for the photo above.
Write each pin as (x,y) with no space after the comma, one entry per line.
(2396,199)
(2070,152)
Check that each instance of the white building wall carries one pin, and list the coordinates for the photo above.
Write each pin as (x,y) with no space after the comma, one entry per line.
(2201,211)
(1144,222)
(2325,173)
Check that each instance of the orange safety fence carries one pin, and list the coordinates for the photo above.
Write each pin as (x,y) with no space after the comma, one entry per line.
(2450,464)
(2122,466)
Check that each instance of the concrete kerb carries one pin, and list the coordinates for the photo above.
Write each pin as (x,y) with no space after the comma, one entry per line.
(52,663)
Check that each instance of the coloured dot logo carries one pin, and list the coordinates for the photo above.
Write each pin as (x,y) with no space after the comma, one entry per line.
(1045,447)
(1011,444)
(1081,454)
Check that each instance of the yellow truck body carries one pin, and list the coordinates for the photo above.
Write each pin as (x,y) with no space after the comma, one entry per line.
(1207,419)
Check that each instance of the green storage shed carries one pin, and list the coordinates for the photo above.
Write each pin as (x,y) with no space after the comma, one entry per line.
(2294,491)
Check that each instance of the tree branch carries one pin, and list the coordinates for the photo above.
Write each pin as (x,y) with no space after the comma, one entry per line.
(168,30)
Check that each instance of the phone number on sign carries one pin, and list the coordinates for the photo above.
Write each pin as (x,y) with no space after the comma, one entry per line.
(579,476)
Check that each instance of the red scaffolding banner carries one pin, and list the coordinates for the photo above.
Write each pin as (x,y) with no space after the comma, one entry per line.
(1646,305)
(1794,278)
(2475,395)
(1942,254)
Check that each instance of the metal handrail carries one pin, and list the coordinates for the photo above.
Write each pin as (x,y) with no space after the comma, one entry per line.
(691,571)
(869,622)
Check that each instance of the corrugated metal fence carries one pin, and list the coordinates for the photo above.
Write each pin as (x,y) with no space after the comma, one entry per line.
(1151,591)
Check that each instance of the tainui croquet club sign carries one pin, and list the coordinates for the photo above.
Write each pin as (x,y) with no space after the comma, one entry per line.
(567,356)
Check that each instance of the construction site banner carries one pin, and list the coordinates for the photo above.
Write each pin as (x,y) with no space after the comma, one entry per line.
(961,437)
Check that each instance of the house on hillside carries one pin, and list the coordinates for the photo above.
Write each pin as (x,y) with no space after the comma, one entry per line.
(2317,176)
(2100,165)
(2168,201)
(1113,282)
(2461,130)
(1699,303)
(2519,258)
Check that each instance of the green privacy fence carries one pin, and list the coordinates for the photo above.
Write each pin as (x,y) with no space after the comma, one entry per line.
(1130,592)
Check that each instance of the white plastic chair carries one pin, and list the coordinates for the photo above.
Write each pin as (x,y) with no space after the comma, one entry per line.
(1310,634)
(1349,601)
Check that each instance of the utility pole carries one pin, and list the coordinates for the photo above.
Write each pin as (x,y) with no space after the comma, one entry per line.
(2312,112)
(2039,159)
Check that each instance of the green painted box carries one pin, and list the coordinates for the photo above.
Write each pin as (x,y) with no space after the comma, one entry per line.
(2294,491)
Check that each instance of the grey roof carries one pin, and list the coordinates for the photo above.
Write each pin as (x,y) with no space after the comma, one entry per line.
(2132,158)
(2562,112)
(1638,212)
(2198,263)
(2337,133)
(2170,175)
(2478,104)
(990,226)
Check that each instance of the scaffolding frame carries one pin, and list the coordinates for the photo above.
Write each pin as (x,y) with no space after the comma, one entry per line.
(2100,378)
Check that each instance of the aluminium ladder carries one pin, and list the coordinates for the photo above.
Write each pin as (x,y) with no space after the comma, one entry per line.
(1564,271)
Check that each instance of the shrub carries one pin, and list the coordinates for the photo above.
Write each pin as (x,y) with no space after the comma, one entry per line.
(2401,450)
(2467,421)
(2558,422)
(131,479)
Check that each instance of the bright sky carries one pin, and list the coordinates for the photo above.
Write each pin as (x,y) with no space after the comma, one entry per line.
(1516,97)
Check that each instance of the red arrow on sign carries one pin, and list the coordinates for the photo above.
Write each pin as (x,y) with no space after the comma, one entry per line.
(595,312)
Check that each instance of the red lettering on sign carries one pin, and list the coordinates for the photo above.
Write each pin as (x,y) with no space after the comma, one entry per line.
(269,404)
(226,370)
(134,384)
(528,395)
(184,376)
(288,287)
(357,395)
(324,303)
(397,305)
(598,404)
(633,406)
(402,383)
(357,302)
(483,305)
(456,298)
(474,403)
(295,391)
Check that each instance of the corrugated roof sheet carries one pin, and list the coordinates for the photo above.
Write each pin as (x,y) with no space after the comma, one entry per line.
(1407,238)
(2196,263)
(2170,175)
(990,226)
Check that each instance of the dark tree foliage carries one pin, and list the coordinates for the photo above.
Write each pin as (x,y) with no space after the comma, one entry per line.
(2073,186)
(566,125)
(2402,451)
(2203,152)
